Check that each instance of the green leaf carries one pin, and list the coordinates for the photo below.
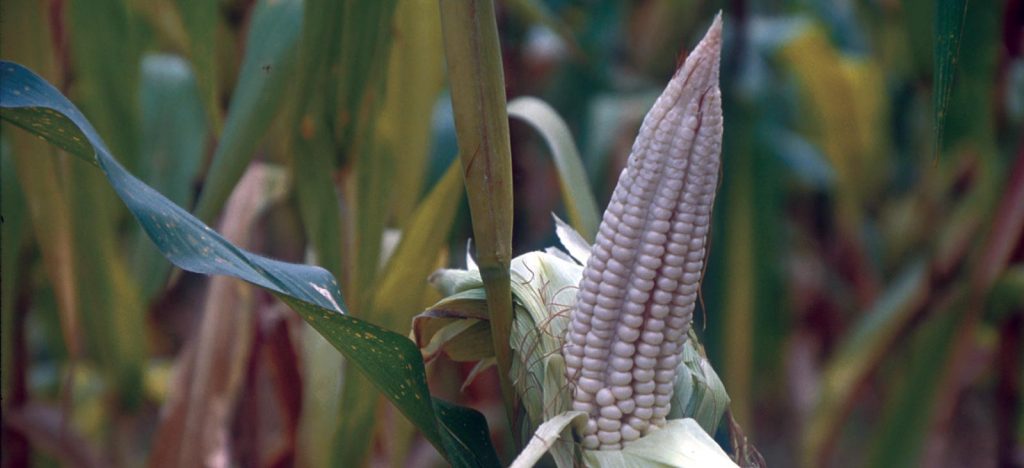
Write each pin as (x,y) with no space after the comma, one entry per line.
(174,128)
(174,134)
(366,41)
(267,68)
(112,311)
(214,371)
(394,365)
(321,398)
(842,112)
(949,28)
(107,50)
(108,42)
(467,437)
(313,159)
(398,293)
(318,200)
(391,361)
(403,283)
(739,301)
(392,295)
(363,60)
(744,330)
(199,18)
(969,115)
(38,177)
(414,80)
(576,192)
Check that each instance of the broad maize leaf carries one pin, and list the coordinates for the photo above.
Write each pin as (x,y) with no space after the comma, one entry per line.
(267,68)
(389,360)
(576,192)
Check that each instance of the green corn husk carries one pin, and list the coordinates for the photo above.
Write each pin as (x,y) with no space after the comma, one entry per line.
(543,289)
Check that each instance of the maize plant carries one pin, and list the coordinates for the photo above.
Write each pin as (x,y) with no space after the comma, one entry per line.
(866,296)
(605,348)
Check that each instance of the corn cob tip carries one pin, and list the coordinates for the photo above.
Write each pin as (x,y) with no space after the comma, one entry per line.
(711,45)
(698,75)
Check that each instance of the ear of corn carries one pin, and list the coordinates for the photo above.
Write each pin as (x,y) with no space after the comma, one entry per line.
(636,297)
(543,288)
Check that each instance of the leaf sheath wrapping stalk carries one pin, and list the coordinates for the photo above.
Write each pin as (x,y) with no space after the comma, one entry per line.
(636,298)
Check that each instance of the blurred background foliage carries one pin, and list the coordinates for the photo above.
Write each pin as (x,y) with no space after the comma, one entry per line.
(863,300)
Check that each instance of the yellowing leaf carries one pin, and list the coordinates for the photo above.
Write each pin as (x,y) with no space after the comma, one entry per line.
(842,108)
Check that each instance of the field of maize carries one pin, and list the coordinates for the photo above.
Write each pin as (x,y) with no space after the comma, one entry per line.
(329,233)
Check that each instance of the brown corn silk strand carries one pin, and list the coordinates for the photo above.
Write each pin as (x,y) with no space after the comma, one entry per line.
(636,298)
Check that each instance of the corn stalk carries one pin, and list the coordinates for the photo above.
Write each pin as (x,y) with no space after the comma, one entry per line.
(481,124)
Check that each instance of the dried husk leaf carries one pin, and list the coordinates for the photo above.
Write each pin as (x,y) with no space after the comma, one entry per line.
(682,442)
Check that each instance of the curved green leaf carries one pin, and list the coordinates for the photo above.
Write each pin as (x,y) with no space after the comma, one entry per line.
(174,133)
(312,146)
(391,361)
(576,193)
(270,58)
